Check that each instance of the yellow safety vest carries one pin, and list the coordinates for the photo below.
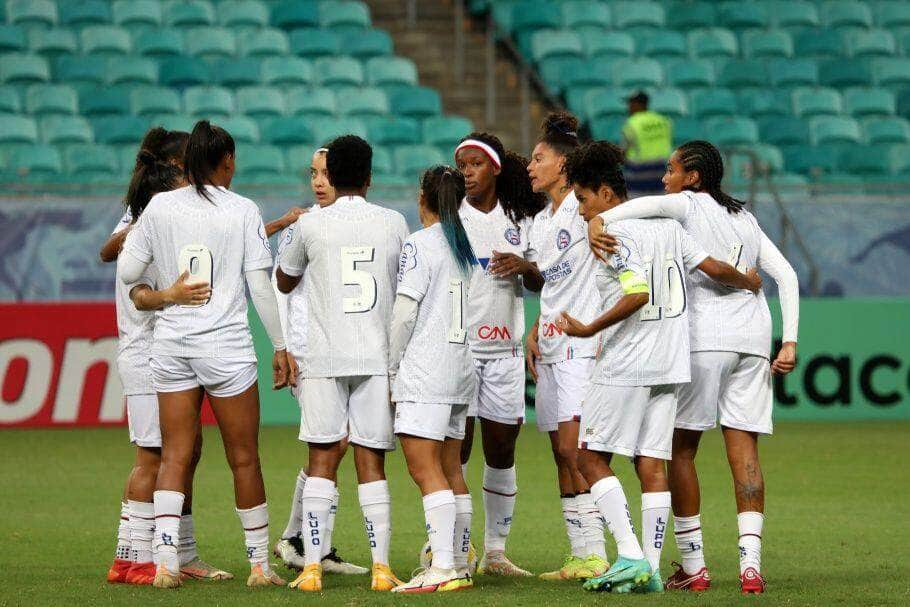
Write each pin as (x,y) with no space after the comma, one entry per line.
(649,135)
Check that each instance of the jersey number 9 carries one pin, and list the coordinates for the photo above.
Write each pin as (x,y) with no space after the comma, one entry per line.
(366,282)
(197,260)
(671,294)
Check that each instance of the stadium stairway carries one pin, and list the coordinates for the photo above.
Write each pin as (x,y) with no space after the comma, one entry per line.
(430,43)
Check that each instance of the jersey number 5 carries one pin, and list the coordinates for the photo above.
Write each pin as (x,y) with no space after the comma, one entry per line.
(672,292)
(457,333)
(366,299)
(197,260)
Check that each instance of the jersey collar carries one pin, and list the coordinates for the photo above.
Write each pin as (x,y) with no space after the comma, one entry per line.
(468,209)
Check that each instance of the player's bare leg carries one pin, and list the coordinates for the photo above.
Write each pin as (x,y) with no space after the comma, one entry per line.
(468,443)
(749,486)
(692,574)
(464,557)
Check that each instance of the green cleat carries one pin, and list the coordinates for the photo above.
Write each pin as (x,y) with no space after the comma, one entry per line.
(654,585)
(574,568)
(636,571)
(596,565)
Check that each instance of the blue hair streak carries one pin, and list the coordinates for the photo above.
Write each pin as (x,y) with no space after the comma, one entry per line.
(443,190)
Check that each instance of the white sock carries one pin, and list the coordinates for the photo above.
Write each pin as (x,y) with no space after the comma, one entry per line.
(611,501)
(750,525)
(688,539)
(376,504)
(464,510)
(295,520)
(655,513)
(330,525)
(255,523)
(592,525)
(316,503)
(573,526)
(142,529)
(439,510)
(499,490)
(124,550)
(186,551)
(168,506)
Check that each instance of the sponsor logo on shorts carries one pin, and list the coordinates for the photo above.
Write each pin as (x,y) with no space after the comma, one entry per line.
(563,240)
(513,236)
(487,332)
(549,329)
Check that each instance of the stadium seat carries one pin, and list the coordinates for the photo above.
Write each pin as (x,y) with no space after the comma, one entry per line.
(767,44)
(325,131)
(368,43)
(313,42)
(362,103)
(52,42)
(260,101)
(818,43)
(162,42)
(764,101)
(866,160)
(502,14)
(383,163)
(576,98)
(79,70)
(691,74)
(600,45)
(893,14)
(638,14)
(65,129)
(86,12)
(91,161)
(254,160)
(795,14)
(738,73)
(586,13)
(10,102)
(687,128)
(533,16)
(748,161)
(743,15)
(601,102)
(892,71)
(886,130)
(149,100)
(209,42)
(183,71)
(390,71)
(310,102)
(12,38)
(811,160)
(859,102)
(834,129)
(414,159)
(840,73)
(243,71)
(446,131)
(242,128)
(664,44)
(395,131)
(137,13)
(713,102)
(344,14)
(17,129)
(173,122)
(712,42)
(553,71)
(132,70)
(687,15)
(287,130)
(417,102)
(338,71)
(554,43)
(299,158)
(34,163)
(784,130)
(816,101)
(637,73)
(188,14)
(286,71)
(20,68)
(106,100)
(266,42)
(846,13)
(793,72)
(670,102)
(870,43)
(593,72)
(29,13)
(105,40)
(608,128)
(44,99)
(208,101)
(243,13)
(119,129)
(292,15)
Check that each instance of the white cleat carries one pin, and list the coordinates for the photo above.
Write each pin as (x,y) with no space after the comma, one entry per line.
(332,563)
(496,563)
(290,551)
(431,580)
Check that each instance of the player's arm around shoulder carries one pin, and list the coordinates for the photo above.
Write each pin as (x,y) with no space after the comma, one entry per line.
(145,298)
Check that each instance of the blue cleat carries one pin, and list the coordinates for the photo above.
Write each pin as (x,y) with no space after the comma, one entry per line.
(635,571)
(654,585)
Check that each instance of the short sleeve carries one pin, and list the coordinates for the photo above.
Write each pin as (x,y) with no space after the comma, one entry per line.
(524,230)
(414,270)
(532,252)
(292,255)
(138,242)
(257,254)
(124,222)
(692,253)
(628,264)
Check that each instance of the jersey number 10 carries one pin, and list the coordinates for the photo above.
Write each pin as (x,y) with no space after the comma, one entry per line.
(197,260)
(672,292)
(366,282)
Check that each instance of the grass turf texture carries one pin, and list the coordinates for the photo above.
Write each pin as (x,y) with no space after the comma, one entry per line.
(836,534)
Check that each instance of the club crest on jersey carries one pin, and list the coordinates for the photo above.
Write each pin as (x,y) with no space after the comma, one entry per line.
(513,236)
(563,240)
(408,259)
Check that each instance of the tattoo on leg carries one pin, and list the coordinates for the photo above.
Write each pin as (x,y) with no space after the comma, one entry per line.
(751,491)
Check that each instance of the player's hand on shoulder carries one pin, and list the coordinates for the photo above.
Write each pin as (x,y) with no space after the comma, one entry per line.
(183,293)
(602,243)
(292,215)
(786,359)
(754,279)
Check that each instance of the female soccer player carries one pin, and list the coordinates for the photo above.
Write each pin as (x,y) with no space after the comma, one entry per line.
(159,168)
(730,352)
(219,237)
(562,364)
(496,214)
(430,360)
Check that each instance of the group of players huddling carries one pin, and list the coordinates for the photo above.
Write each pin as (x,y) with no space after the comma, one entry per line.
(652,327)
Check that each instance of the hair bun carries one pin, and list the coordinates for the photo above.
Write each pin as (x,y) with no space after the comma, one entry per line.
(146,158)
(560,123)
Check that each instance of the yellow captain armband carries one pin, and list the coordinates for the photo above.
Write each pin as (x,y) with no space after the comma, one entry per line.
(632,283)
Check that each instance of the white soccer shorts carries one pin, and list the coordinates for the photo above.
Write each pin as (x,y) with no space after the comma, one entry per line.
(431,420)
(356,407)
(732,387)
(560,389)
(222,377)
(500,390)
(629,420)
(142,418)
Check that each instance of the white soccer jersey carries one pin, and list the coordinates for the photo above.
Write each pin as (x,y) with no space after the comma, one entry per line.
(559,245)
(348,255)
(651,347)
(437,366)
(292,308)
(496,318)
(134,330)
(224,238)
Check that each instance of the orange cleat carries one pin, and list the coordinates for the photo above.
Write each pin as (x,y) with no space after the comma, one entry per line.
(117,573)
(141,574)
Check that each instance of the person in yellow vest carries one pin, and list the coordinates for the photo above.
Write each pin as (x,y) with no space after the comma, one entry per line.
(648,142)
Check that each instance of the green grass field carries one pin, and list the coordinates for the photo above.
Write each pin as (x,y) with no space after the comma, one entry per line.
(837,530)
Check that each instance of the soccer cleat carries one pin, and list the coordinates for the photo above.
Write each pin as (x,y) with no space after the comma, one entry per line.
(573,568)
(332,563)
(165,579)
(654,586)
(465,579)
(496,563)
(309,580)
(290,551)
(383,579)
(751,581)
(432,580)
(198,569)
(597,565)
(426,557)
(636,571)
(696,582)
(263,576)
(117,573)
(141,574)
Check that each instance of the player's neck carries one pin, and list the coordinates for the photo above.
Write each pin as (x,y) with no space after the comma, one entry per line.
(558,193)
(350,193)
(485,203)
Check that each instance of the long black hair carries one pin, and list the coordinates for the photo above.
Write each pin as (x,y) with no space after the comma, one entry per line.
(703,157)
(513,186)
(158,167)
(207,147)
(595,164)
(443,190)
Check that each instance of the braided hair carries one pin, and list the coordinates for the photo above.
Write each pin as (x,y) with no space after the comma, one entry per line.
(513,186)
(443,189)
(595,164)
(703,157)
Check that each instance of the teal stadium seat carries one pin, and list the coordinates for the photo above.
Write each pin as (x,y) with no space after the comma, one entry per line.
(17,129)
(12,38)
(132,70)
(670,102)
(846,13)
(338,71)
(739,73)
(34,163)
(607,45)
(287,130)
(137,14)
(600,103)
(592,72)
(817,101)
(417,102)
(313,42)
(104,101)
(767,44)
(10,102)
(891,71)
(608,128)
(368,43)
(383,164)
(576,98)
(78,71)
(867,160)
(533,16)
(44,99)
(395,131)
(286,71)
(744,15)
(638,73)
(414,159)
(243,71)
(317,102)
(869,101)
(149,100)
(811,160)
(260,101)
(53,42)
(293,15)
(344,14)
(382,71)
(209,42)
(164,42)
(173,121)
(502,13)
(22,68)
(691,74)
(886,130)
(640,14)
(105,40)
(208,101)
(795,14)
(242,128)
(665,44)
(707,103)
(364,102)
(326,130)
(687,128)
(85,12)
(784,130)
(871,43)
(555,43)
(834,129)
(819,44)
(59,130)
(586,13)
(446,131)
(553,71)
(742,167)
(689,15)
(763,101)
(299,158)
(788,73)
(893,14)
(119,129)
(254,161)
(243,14)
(91,162)
(31,13)
(712,43)
(840,73)
(265,42)
(181,72)
(189,13)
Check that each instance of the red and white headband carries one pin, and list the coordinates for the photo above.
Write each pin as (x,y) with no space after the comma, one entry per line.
(483,147)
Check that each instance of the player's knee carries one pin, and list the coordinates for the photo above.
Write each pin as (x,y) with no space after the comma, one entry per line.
(243,459)
(499,456)
(567,453)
